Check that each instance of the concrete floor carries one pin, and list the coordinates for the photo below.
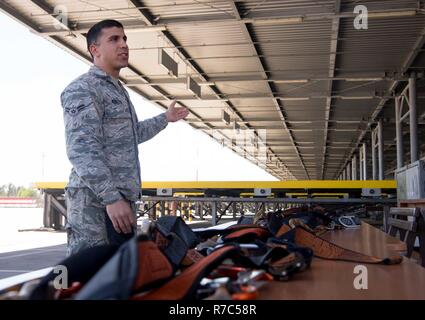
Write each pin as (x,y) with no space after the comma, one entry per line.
(23,261)
(19,262)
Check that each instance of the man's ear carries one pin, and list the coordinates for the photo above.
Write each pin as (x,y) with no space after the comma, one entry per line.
(94,51)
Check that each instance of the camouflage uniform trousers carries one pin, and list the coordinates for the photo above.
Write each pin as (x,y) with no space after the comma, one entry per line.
(88,224)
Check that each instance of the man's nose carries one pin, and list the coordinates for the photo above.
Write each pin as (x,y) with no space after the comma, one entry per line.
(123,44)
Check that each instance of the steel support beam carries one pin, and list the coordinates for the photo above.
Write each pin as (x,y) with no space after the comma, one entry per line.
(15,15)
(364,161)
(143,78)
(373,150)
(360,164)
(332,62)
(416,49)
(276,19)
(380,150)
(399,134)
(223,78)
(277,103)
(275,96)
(349,171)
(413,117)
(149,20)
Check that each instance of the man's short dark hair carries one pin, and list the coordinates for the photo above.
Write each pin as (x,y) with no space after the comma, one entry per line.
(96,30)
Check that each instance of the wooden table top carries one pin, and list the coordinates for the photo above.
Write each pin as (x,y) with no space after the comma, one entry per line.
(328,279)
(419,203)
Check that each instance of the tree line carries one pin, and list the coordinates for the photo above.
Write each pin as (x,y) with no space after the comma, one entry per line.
(10,190)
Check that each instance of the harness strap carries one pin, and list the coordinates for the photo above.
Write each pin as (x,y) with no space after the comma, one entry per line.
(279,260)
(247,235)
(174,247)
(192,256)
(284,228)
(209,233)
(153,265)
(327,250)
(184,285)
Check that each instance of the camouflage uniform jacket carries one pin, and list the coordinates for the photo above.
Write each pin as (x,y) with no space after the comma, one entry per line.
(102,135)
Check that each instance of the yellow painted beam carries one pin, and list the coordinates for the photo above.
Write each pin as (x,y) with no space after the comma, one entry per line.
(188,194)
(292,184)
(316,194)
(49,185)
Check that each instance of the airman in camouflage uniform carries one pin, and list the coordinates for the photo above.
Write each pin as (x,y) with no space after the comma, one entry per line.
(102,136)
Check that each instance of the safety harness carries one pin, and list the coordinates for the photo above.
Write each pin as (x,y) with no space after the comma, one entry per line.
(170,261)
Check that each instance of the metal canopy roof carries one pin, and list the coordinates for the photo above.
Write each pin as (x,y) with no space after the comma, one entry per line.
(299,69)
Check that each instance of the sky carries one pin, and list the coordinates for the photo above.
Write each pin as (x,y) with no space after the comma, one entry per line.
(34,72)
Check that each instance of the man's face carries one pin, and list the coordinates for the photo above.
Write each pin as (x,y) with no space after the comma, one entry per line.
(111,48)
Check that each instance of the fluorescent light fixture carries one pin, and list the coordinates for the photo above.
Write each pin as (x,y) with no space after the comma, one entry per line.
(363,79)
(169,63)
(354,98)
(291,81)
(388,14)
(274,21)
(193,86)
(347,122)
(206,84)
(301,122)
(131,29)
(226,117)
(293,98)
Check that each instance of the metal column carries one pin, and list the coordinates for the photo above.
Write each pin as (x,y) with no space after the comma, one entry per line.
(361,163)
(349,171)
(213,213)
(364,161)
(380,150)
(399,131)
(414,155)
(373,149)
(354,168)
(234,210)
(162,212)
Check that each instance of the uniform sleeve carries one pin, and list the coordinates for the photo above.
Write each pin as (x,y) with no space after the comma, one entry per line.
(149,128)
(84,142)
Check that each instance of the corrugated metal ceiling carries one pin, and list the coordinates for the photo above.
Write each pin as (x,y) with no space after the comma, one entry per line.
(294,68)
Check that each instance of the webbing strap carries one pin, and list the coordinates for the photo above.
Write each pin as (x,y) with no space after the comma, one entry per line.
(184,285)
(153,265)
(208,233)
(284,228)
(191,257)
(247,235)
(327,250)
